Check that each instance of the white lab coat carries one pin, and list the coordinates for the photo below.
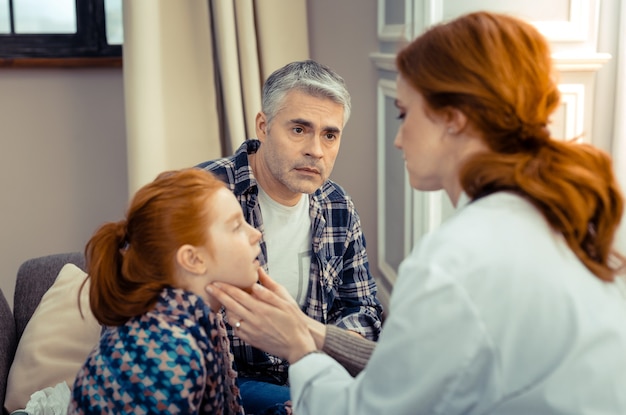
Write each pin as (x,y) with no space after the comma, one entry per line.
(491,314)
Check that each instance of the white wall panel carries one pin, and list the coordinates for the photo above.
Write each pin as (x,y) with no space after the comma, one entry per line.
(395,203)
(394,20)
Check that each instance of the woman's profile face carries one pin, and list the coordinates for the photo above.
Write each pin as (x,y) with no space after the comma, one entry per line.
(422,139)
(435,146)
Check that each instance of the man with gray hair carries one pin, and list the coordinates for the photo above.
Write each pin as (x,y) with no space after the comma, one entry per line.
(312,240)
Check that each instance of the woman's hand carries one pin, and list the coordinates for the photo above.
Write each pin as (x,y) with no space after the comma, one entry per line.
(269,318)
(317,329)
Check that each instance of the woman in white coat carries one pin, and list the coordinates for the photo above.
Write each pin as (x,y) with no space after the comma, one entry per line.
(511,306)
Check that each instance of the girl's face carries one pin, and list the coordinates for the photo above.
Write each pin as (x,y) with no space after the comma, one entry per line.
(231,254)
(234,243)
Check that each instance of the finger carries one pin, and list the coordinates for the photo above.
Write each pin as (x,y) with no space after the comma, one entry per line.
(235,293)
(229,297)
(270,284)
(276,299)
(242,328)
(232,318)
(254,305)
(235,322)
(267,281)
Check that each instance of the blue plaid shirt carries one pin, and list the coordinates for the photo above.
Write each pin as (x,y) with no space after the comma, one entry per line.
(341,289)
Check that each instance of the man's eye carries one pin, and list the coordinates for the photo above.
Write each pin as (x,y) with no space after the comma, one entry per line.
(401,116)
(331,136)
(298,130)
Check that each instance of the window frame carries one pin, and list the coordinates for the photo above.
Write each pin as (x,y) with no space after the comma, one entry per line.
(88,42)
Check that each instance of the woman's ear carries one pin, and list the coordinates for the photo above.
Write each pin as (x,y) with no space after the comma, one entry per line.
(191,259)
(456,121)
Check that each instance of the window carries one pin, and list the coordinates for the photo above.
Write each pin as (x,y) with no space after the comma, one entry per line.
(60,28)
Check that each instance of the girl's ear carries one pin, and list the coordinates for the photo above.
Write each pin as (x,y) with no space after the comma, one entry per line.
(191,259)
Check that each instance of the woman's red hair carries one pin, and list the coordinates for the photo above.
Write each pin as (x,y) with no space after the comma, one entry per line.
(498,71)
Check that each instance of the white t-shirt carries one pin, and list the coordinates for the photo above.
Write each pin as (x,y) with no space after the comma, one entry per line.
(287,234)
(492,313)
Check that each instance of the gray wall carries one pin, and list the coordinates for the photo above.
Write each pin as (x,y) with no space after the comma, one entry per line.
(62,161)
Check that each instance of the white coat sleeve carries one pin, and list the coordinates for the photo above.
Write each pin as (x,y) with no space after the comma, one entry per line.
(434,355)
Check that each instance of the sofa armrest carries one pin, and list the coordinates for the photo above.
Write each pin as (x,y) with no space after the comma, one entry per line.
(8,344)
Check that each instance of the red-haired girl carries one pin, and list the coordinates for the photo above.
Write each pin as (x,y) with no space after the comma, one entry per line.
(165,347)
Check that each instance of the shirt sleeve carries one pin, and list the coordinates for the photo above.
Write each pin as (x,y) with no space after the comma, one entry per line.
(434,356)
(357,304)
(351,351)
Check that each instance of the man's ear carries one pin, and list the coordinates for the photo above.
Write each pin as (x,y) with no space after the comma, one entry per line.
(261,126)
(191,259)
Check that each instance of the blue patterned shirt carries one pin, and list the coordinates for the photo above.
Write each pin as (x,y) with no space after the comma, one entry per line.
(341,288)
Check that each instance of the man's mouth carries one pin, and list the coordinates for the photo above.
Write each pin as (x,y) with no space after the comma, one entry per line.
(310,170)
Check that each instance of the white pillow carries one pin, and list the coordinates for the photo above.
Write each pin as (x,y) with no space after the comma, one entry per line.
(56,340)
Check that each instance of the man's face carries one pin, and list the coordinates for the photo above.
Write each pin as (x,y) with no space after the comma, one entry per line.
(299,147)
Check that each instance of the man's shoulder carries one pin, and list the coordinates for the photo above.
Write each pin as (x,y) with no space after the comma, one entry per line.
(224,169)
(221,164)
(237,160)
(233,170)
(334,201)
(333,198)
(332,192)
(218,165)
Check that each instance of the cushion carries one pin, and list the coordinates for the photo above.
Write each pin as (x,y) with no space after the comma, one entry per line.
(56,340)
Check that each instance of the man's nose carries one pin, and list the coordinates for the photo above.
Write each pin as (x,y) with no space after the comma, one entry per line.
(314,147)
